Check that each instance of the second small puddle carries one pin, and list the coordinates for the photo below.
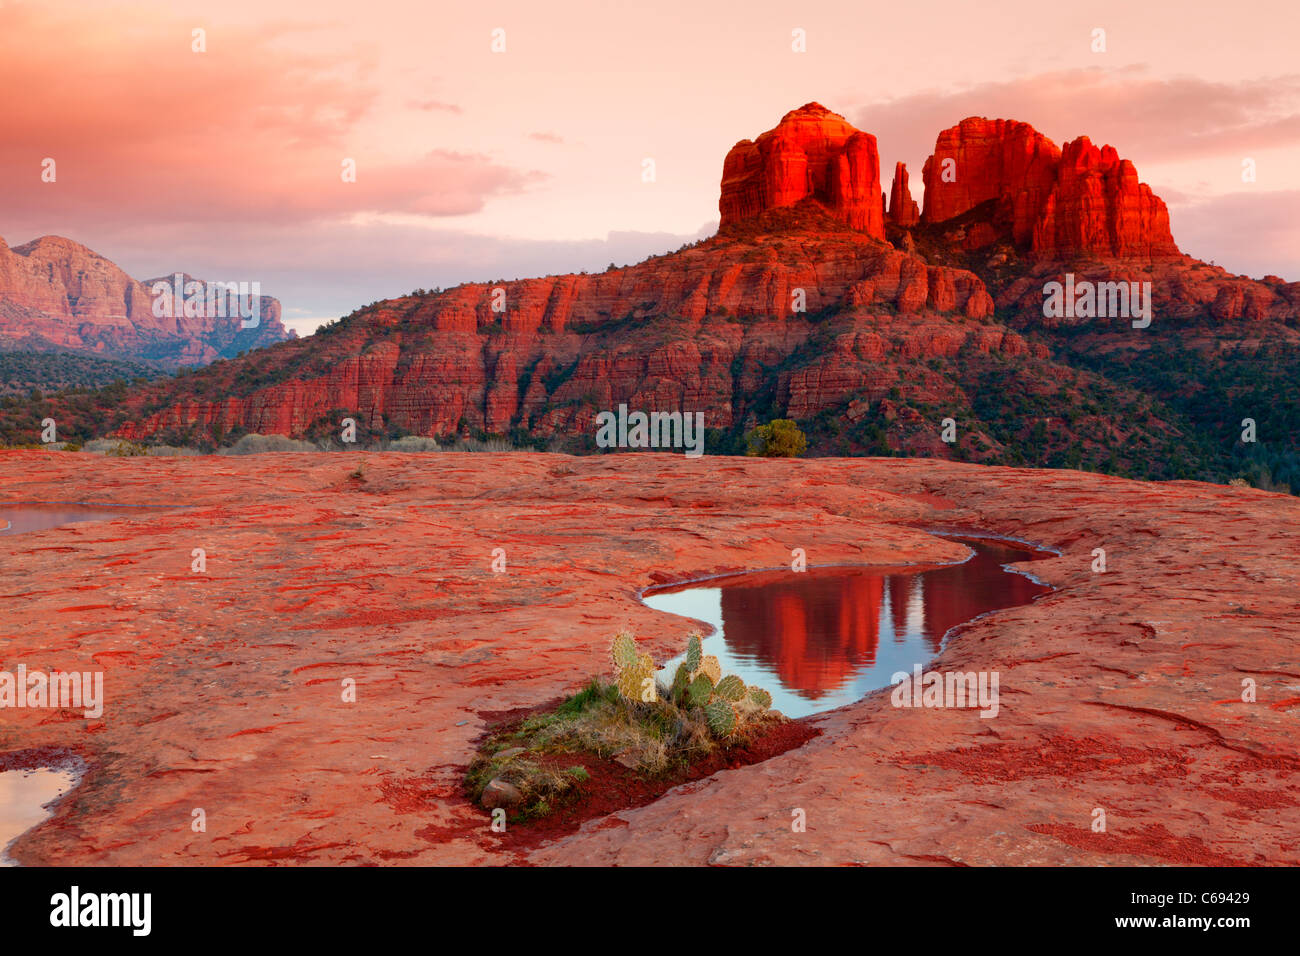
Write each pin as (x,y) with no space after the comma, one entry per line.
(20,517)
(24,795)
(826,637)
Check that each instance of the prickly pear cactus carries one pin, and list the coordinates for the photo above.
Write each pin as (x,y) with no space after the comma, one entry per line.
(681,683)
(721,717)
(622,651)
(636,683)
(693,653)
(710,666)
(730,688)
(701,690)
(760,698)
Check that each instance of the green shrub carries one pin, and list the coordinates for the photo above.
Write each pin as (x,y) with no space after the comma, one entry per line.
(777,439)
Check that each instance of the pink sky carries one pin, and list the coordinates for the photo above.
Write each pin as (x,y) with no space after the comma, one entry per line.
(476,165)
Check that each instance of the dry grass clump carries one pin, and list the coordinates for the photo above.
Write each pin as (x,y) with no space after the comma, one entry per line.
(413,443)
(259,444)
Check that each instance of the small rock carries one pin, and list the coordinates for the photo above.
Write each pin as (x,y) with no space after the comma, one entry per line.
(507,754)
(628,759)
(498,793)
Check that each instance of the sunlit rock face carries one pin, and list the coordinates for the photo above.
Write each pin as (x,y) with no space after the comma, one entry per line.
(811,154)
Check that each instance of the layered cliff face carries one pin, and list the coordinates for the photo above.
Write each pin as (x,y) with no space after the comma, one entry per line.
(811,154)
(56,293)
(720,328)
(1053,204)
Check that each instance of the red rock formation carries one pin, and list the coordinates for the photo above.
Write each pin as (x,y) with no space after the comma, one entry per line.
(980,160)
(1053,204)
(57,293)
(1099,208)
(714,325)
(811,154)
(903,210)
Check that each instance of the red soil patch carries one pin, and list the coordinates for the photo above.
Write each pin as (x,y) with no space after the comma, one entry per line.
(1152,841)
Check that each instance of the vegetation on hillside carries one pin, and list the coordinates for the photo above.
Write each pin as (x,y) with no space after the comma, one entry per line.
(22,373)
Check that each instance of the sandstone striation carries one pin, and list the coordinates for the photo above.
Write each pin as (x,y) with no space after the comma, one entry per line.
(567,345)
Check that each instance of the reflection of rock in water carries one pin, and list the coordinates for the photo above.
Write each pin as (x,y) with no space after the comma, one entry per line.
(819,630)
(814,631)
(959,593)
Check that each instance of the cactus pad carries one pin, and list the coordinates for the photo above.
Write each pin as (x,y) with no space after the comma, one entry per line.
(730,688)
(622,651)
(760,698)
(693,653)
(721,717)
(701,689)
(632,680)
(710,666)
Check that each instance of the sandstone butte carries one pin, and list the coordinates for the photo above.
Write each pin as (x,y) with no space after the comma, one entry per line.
(1120,690)
(1059,204)
(711,327)
(811,154)
(56,293)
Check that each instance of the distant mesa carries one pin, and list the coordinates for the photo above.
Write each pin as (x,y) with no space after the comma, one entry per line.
(58,294)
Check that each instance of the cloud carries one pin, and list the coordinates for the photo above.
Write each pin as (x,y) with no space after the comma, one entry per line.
(546,137)
(431,105)
(1144,117)
(253,130)
(1250,232)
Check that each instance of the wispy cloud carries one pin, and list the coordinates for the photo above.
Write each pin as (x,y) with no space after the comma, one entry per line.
(435,105)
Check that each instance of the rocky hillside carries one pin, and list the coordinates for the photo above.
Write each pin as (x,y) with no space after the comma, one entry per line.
(57,295)
(868,320)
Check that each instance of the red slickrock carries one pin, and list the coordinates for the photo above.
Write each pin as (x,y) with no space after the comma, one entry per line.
(223,690)
(1053,204)
(811,154)
(903,210)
